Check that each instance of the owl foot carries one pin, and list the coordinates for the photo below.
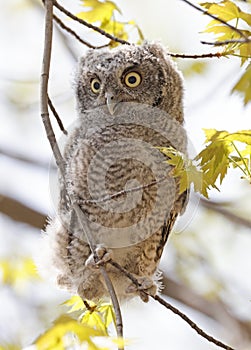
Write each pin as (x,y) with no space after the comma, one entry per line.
(145,287)
(103,254)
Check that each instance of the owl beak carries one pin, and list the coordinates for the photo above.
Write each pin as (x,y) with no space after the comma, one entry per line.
(111,102)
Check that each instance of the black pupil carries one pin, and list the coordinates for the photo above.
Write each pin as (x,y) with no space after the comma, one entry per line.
(96,85)
(132,80)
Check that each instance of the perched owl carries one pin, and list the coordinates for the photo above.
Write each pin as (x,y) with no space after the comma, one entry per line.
(129,103)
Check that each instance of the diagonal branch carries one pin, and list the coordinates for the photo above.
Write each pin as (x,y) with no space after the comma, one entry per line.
(191,323)
(215,308)
(102,32)
(88,25)
(19,211)
(57,117)
(24,159)
(72,32)
(172,308)
(120,193)
(217,19)
(58,156)
(225,42)
(219,209)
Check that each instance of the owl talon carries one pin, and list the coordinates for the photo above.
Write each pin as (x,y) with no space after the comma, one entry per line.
(145,285)
(103,254)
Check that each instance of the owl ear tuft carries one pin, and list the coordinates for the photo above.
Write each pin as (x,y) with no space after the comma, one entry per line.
(81,60)
(156,48)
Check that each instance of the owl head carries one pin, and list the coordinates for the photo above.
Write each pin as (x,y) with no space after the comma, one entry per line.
(129,73)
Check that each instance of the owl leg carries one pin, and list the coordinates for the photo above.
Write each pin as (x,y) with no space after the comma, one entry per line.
(103,254)
(145,285)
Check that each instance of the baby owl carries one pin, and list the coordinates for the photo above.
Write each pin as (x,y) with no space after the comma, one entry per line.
(129,103)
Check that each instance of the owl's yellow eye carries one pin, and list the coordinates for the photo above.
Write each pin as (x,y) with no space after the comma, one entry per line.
(95,85)
(132,79)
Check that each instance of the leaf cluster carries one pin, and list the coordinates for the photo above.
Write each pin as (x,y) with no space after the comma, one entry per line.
(234,43)
(104,14)
(13,271)
(223,150)
(92,321)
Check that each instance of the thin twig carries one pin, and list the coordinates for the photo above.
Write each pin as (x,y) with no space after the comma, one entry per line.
(191,323)
(120,193)
(225,42)
(57,117)
(102,32)
(25,159)
(88,25)
(172,308)
(85,227)
(216,18)
(215,308)
(58,157)
(217,207)
(204,55)
(176,55)
(72,32)
(75,35)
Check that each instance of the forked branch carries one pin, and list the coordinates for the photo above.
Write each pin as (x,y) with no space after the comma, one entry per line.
(113,38)
(59,158)
(198,8)
(173,309)
(88,25)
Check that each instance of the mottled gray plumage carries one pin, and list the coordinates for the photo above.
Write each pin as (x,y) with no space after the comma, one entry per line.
(129,101)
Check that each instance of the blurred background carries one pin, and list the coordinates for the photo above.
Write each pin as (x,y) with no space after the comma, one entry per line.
(207,261)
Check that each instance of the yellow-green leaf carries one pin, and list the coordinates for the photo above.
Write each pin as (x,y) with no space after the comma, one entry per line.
(186,170)
(95,321)
(99,11)
(245,51)
(16,270)
(75,303)
(243,86)
(103,13)
(120,342)
(9,346)
(115,28)
(230,12)
(53,338)
(225,10)
(246,17)
(108,314)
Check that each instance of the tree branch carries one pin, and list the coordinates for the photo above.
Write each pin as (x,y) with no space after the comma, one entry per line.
(20,212)
(204,55)
(191,323)
(172,308)
(21,158)
(85,227)
(88,25)
(57,117)
(225,42)
(59,159)
(214,309)
(74,34)
(216,18)
(44,87)
(120,193)
(102,32)
(217,207)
